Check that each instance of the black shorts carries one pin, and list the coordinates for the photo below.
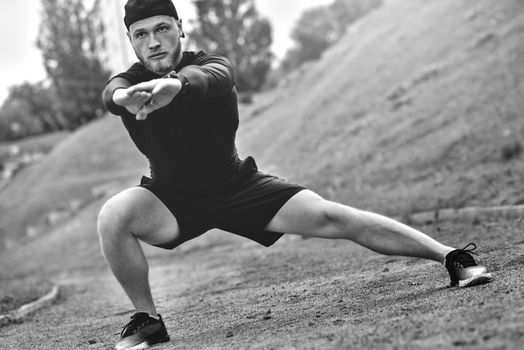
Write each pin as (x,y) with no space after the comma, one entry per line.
(244,207)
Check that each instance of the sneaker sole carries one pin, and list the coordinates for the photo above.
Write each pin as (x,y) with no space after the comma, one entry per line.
(476,280)
(146,344)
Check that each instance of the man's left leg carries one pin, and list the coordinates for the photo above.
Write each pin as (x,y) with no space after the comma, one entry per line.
(308,214)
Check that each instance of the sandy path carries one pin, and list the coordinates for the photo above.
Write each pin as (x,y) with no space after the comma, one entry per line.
(300,294)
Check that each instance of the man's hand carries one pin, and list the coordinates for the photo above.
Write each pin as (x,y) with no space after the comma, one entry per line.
(162,92)
(133,101)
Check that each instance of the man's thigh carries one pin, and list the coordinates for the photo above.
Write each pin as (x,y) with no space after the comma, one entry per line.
(306,213)
(140,211)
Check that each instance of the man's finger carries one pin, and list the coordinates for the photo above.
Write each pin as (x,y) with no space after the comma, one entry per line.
(141,97)
(141,115)
(145,86)
(138,94)
(149,108)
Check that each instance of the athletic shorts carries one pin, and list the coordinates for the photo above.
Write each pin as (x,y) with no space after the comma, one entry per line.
(244,207)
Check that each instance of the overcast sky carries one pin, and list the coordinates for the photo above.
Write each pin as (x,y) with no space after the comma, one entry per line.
(21,61)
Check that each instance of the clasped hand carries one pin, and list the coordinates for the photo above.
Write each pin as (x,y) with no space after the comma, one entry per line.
(144,98)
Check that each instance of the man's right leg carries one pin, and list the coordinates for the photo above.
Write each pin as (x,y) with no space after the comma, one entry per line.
(132,215)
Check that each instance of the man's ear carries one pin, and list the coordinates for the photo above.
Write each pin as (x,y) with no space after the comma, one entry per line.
(180,28)
(129,37)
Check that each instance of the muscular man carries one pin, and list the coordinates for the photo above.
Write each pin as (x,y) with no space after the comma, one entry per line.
(180,109)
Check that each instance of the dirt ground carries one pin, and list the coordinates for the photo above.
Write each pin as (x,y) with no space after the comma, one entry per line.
(300,294)
(459,68)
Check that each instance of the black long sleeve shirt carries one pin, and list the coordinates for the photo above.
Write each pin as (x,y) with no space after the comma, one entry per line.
(190,143)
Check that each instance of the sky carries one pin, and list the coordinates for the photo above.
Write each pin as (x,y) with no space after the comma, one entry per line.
(21,61)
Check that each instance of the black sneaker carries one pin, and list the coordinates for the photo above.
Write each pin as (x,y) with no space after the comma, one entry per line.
(142,332)
(463,270)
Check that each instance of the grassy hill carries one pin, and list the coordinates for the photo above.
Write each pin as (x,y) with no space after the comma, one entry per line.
(419,106)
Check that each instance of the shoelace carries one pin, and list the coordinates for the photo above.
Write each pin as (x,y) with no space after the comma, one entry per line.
(471,249)
(138,321)
(463,256)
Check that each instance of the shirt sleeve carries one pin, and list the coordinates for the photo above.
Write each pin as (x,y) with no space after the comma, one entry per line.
(208,76)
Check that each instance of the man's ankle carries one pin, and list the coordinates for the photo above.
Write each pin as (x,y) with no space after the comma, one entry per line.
(153,314)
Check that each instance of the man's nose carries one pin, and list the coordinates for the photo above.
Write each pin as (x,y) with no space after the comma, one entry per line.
(154,43)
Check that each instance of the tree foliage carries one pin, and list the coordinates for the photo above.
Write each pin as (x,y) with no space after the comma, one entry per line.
(320,27)
(29,109)
(234,29)
(70,39)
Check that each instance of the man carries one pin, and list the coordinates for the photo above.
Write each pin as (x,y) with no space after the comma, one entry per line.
(180,109)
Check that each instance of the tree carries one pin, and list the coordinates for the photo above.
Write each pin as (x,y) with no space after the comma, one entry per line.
(16,120)
(234,29)
(71,38)
(348,11)
(29,109)
(315,31)
(320,27)
(41,104)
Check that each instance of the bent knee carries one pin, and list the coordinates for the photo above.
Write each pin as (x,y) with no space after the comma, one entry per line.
(139,213)
(115,217)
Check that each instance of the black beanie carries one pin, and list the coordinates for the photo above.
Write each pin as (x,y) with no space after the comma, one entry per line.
(137,10)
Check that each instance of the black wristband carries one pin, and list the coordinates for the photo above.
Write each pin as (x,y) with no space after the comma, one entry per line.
(183,80)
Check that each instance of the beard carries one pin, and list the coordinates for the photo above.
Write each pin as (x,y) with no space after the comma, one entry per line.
(161,66)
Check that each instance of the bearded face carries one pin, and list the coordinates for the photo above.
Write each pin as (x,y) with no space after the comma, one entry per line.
(156,41)
(160,65)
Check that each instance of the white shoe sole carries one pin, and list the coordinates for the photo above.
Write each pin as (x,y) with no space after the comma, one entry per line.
(144,345)
(140,346)
(475,280)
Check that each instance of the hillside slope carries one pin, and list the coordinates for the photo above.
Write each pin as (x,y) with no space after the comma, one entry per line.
(419,106)
(99,153)
(410,111)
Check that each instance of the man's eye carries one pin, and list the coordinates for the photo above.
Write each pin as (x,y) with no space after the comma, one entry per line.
(140,35)
(161,29)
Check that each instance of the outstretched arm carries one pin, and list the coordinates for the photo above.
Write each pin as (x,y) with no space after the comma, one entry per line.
(209,76)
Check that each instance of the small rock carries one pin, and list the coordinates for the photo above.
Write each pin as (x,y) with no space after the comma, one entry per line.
(229,334)
(268,316)
(460,343)
(91,341)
